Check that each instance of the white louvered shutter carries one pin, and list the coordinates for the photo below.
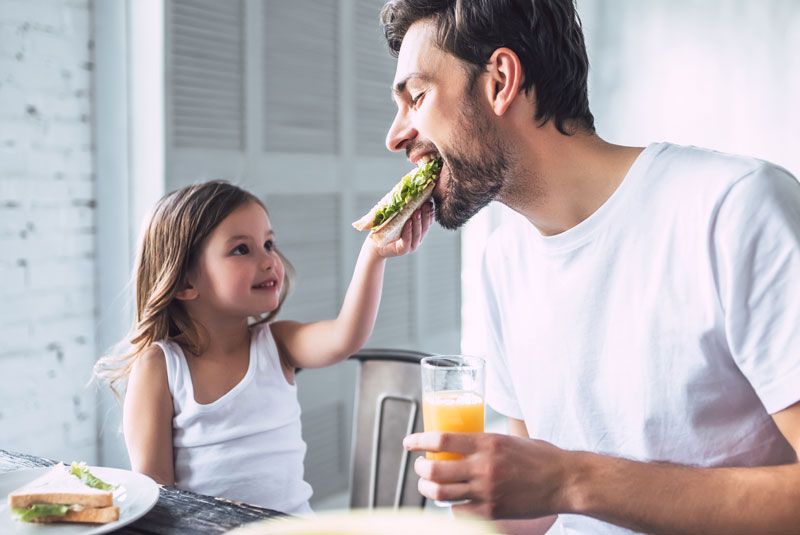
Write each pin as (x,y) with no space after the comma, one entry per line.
(207,74)
(440,285)
(374,74)
(313,249)
(301,83)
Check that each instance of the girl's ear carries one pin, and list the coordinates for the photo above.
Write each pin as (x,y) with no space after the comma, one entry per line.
(187,293)
(504,78)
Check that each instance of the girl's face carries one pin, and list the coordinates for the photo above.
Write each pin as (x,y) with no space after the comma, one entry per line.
(239,272)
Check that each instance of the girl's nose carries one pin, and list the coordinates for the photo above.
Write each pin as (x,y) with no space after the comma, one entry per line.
(400,133)
(267,261)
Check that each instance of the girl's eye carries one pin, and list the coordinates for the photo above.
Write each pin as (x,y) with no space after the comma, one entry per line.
(269,245)
(416,100)
(240,249)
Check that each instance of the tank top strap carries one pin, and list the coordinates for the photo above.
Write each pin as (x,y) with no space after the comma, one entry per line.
(266,349)
(177,371)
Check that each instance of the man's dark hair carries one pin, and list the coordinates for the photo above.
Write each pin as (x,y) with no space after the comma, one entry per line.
(546,35)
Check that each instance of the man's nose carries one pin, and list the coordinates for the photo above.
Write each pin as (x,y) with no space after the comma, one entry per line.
(400,133)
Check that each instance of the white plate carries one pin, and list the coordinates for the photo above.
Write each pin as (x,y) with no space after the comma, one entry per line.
(136,495)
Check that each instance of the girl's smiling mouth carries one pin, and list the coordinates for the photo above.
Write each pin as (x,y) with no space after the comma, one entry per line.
(266,285)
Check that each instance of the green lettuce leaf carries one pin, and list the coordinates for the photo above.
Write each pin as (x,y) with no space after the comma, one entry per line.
(81,471)
(38,510)
(409,188)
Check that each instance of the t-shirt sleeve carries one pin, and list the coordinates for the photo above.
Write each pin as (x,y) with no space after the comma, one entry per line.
(500,393)
(756,240)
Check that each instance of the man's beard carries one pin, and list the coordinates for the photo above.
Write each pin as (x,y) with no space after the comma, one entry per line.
(475,180)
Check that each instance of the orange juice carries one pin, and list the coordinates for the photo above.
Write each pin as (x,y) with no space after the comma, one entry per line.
(453,411)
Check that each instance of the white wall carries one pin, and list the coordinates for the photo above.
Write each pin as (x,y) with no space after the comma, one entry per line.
(47,222)
(724,74)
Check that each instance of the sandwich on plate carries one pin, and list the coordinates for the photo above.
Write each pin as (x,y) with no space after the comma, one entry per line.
(386,219)
(65,495)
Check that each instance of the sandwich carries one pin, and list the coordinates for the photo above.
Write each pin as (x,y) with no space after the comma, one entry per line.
(65,495)
(387,217)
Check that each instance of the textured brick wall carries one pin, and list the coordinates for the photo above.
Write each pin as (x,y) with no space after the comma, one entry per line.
(47,296)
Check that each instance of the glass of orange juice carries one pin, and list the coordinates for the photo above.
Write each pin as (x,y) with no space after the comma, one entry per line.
(452,399)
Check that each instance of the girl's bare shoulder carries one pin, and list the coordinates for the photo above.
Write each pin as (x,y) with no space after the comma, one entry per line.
(150,365)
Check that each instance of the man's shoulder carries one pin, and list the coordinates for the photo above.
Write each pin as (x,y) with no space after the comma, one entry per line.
(701,165)
(695,179)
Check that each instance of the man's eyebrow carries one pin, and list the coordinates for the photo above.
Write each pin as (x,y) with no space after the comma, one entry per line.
(400,86)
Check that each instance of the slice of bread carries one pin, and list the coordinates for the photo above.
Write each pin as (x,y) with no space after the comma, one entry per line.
(391,229)
(92,515)
(57,485)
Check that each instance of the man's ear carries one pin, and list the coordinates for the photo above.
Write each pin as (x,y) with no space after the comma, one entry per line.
(504,78)
(187,293)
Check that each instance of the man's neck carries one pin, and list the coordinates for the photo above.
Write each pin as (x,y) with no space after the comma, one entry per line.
(562,180)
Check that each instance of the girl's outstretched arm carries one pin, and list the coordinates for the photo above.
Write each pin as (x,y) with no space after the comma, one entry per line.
(322,343)
(147,417)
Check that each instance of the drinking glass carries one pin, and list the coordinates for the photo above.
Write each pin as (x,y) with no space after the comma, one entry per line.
(452,399)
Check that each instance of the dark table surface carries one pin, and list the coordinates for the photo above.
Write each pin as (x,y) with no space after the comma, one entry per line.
(176,512)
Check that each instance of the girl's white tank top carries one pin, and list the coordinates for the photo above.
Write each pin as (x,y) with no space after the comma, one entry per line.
(245,446)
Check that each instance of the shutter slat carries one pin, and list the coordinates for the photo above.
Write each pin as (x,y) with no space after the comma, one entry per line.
(200,11)
(222,70)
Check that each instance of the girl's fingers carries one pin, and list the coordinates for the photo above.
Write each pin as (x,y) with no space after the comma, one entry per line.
(413,232)
(416,234)
(402,245)
(427,217)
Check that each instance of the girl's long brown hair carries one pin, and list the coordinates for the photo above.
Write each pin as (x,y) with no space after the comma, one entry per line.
(168,249)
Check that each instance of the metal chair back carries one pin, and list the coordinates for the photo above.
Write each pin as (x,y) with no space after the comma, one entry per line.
(388,407)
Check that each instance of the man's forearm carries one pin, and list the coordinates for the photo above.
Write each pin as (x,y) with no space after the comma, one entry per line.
(664,498)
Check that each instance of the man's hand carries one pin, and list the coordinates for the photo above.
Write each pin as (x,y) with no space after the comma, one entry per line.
(516,477)
(413,231)
(502,476)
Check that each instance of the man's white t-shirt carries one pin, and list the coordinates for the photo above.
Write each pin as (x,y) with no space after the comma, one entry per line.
(664,327)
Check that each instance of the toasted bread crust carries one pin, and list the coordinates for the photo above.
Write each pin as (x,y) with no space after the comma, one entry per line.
(391,229)
(23,500)
(101,515)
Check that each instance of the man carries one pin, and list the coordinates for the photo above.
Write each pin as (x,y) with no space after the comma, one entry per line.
(644,326)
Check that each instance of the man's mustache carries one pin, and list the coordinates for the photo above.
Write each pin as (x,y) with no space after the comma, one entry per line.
(420,146)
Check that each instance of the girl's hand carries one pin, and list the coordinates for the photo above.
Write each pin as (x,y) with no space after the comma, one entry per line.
(413,231)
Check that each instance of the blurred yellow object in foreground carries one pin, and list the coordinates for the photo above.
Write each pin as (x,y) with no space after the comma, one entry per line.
(364,522)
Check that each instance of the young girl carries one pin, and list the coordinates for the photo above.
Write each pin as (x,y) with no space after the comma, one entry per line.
(211,405)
